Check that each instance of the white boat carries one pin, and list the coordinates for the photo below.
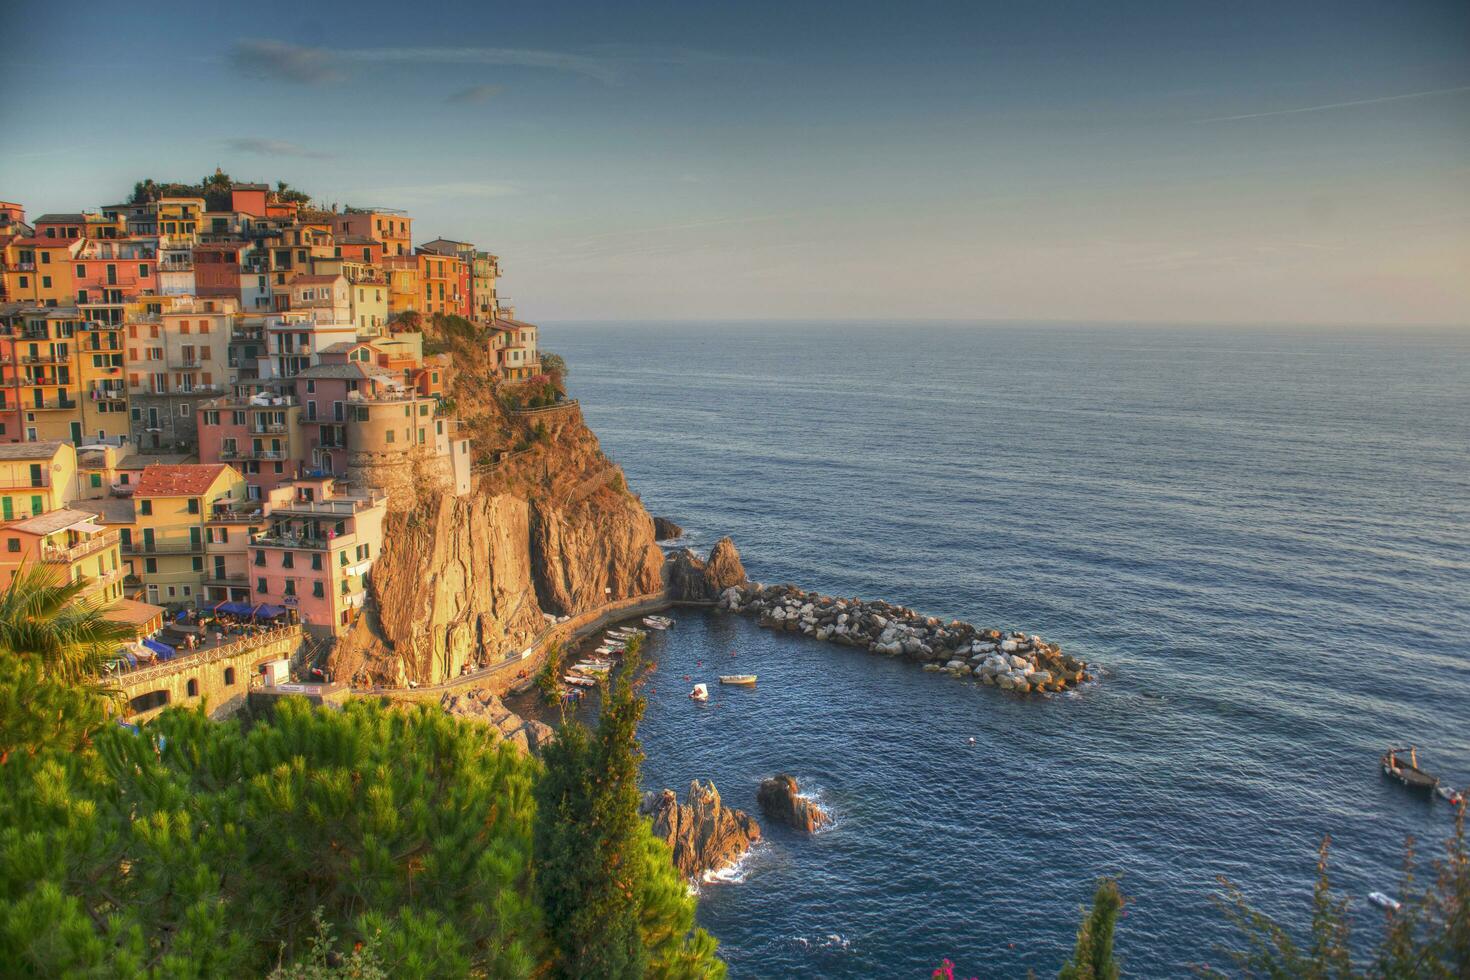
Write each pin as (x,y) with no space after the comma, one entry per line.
(654,626)
(1450,793)
(700,692)
(592,668)
(626,632)
(746,679)
(1383,901)
(608,651)
(580,681)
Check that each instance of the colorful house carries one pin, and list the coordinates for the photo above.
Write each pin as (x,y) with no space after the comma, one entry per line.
(171,506)
(71,545)
(36,478)
(392,229)
(260,434)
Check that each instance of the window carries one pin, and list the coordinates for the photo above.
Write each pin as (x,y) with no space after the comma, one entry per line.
(260,585)
(193,686)
(260,558)
(229,677)
(198,567)
(290,586)
(150,565)
(193,505)
(12,544)
(288,560)
(142,271)
(45,282)
(96,480)
(318,590)
(316,562)
(145,507)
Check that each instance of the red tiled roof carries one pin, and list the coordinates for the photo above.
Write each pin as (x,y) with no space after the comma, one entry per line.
(185,480)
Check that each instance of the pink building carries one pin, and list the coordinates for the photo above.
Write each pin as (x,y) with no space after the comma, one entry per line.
(259,434)
(316,555)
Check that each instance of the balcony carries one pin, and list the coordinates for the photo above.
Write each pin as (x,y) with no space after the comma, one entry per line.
(65,556)
(268,428)
(181,364)
(163,548)
(248,513)
(301,541)
(340,507)
(24,267)
(234,454)
(198,391)
(39,358)
(53,405)
(228,581)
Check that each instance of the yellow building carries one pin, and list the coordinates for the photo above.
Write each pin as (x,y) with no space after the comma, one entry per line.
(97,471)
(100,371)
(48,387)
(70,544)
(36,478)
(39,271)
(166,544)
(179,218)
(405,289)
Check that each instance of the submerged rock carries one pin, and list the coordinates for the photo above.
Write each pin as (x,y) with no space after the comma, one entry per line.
(781,800)
(705,835)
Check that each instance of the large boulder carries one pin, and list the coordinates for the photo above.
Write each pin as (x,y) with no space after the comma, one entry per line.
(704,834)
(781,800)
(666,530)
(694,579)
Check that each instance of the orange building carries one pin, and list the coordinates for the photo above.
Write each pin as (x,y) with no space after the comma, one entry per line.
(442,280)
(393,228)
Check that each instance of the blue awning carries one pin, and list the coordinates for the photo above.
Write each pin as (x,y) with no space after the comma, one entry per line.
(164,651)
(267,611)
(235,608)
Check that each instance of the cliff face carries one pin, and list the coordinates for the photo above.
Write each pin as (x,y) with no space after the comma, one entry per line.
(550,530)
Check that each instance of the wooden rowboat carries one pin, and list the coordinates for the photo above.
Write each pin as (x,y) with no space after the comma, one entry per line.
(747,679)
(1407,771)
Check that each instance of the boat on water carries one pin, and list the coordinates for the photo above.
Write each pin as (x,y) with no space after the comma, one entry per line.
(1384,901)
(1450,794)
(579,681)
(700,692)
(1407,771)
(745,679)
(657,622)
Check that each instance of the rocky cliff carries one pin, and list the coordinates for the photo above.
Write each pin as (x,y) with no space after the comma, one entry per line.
(549,529)
(695,579)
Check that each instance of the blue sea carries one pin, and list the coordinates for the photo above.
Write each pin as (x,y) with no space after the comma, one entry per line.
(1262,536)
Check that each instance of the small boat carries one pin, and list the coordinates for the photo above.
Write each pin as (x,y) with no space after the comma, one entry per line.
(591,668)
(746,679)
(580,681)
(1384,902)
(1408,772)
(1450,793)
(700,692)
(657,622)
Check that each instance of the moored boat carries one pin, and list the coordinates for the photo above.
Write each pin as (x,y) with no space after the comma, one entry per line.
(579,680)
(746,679)
(1384,902)
(1408,771)
(700,692)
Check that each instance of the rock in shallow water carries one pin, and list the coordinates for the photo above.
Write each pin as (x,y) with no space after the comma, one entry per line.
(781,800)
(705,835)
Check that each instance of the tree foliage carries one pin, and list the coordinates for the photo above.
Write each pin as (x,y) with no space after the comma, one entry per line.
(1093,957)
(1428,937)
(614,904)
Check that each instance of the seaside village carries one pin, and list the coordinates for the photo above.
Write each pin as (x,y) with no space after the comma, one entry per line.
(208,402)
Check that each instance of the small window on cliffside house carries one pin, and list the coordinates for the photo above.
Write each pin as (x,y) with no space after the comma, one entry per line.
(193,688)
(229,677)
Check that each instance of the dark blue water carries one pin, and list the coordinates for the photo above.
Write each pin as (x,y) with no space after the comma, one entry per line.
(1263,535)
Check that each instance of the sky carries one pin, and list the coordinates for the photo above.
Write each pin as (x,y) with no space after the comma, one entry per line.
(1243,162)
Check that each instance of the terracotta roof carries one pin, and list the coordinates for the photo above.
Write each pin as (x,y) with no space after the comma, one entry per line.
(60,219)
(138,461)
(356,240)
(53,521)
(343,346)
(502,323)
(29,450)
(178,481)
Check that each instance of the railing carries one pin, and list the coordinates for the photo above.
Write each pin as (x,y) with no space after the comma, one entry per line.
(183,365)
(343,507)
(253,454)
(50,405)
(65,556)
(264,428)
(559,406)
(25,267)
(28,485)
(236,516)
(187,392)
(39,358)
(188,661)
(302,541)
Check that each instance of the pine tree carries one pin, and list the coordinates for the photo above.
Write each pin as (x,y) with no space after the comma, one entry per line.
(1093,958)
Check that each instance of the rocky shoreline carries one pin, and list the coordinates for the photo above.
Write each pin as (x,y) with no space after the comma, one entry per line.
(1009,660)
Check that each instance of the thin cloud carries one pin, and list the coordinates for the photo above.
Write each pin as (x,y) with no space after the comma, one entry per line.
(601,69)
(475,94)
(1337,105)
(274,148)
(280,61)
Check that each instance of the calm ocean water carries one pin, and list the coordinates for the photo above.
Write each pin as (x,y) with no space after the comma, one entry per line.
(1262,535)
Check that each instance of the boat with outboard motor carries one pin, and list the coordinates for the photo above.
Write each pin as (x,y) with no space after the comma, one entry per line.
(1408,771)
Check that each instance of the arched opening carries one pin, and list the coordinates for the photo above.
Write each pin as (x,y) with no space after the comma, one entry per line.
(192,688)
(149,701)
(229,677)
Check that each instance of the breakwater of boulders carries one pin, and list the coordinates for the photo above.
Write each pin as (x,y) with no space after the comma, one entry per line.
(1006,659)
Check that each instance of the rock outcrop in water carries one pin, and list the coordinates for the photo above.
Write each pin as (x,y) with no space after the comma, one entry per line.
(1009,660)
(781,800)
(528,735)
(694,579)
(666,530)
(704,834)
